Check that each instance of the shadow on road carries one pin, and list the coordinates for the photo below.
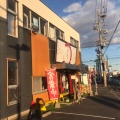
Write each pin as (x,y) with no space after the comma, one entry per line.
(110,102)
(115,88)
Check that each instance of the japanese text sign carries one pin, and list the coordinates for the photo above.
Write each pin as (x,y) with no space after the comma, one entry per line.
(52,84)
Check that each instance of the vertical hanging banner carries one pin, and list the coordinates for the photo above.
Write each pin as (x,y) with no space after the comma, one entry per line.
(52,84)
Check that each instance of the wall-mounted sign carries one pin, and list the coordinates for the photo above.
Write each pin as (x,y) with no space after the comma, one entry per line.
(65,52)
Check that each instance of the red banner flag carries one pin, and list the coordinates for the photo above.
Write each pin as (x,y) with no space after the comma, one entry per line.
(52,84)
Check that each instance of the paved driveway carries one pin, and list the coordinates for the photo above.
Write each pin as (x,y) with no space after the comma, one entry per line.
(105,106)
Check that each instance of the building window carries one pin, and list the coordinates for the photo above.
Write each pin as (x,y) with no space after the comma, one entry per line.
(71,41)
(43,27)
(74,42)
(52,48)
(35,22)
(12,81)
(39,84)
(25,20)
(59,34)
(26,17)
(52,34)
(12,17)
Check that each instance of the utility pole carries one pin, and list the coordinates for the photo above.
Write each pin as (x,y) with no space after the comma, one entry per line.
(98,63)
(101,42)
(101,45)
(107,62)
(94,73)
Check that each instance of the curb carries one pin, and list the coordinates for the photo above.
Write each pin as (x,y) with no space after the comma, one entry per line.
(46,114)
(50,112)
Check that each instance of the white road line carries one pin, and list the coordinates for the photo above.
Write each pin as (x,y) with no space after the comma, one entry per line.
(85,115)
(115,95)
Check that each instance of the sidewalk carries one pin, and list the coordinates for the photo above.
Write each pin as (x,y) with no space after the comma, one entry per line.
(105,106)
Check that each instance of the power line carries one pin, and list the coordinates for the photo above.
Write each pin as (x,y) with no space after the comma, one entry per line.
(114,57)
(95,10)
(112,25)
(101,3)
(89,61)
(106,4)
(114,15)
(94,60)
(112,36)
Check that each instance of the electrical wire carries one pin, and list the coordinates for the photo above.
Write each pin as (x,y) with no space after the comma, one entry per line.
(91,43)
(112,36)
(114,14)
(113,23)
(106,5)
(101,4)
(95,10)
(109,59)
(114,58)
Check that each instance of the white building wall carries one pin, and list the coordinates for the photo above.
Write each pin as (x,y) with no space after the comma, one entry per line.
(43,11)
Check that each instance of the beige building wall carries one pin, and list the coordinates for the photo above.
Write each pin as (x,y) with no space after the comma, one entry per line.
(43,11)
(3,9)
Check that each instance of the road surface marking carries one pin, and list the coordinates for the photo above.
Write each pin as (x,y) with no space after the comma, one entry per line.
(85,115)
(115,94)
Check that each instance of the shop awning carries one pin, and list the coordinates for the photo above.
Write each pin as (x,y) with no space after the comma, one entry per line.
(66,66)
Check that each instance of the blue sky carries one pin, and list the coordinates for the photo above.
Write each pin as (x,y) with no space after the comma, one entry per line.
(81,15)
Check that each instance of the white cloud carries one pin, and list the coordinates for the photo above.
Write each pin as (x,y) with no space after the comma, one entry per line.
(85,36)
(115,40)
(82,17)
(72,8)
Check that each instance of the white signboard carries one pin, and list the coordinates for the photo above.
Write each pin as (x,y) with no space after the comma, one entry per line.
(84,79)
(65,52)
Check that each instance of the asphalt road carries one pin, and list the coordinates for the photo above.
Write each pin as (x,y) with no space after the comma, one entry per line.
(104,106)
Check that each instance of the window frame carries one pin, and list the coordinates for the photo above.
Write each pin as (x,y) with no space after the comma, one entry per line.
(74,42)
(51,29)
(14,86)
(71,41)
(34,16)
(13,32)
(45,26)
(52,53)
(59,34)
(27,13)
(40,20)
(40,89)
(27,22)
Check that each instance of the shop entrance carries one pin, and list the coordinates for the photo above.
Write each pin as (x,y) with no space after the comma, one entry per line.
(63,83)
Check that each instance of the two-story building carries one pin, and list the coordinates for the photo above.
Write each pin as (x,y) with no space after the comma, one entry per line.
(33,39)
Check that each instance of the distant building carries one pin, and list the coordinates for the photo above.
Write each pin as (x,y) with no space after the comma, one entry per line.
(32,39)
(115,73)
(84,68)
